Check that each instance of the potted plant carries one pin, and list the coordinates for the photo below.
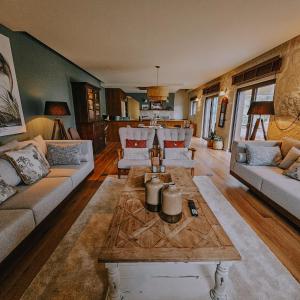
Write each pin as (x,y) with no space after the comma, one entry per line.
(218,142)
(210,140)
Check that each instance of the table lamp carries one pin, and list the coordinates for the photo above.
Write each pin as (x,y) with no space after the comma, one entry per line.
(58,109)
(260,108)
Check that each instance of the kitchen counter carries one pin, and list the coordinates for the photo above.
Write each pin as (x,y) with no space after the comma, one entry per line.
(113,126)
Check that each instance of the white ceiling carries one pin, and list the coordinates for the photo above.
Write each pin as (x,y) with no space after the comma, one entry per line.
(120,41)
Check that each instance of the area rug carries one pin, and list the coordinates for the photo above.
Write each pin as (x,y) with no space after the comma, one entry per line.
(72,271)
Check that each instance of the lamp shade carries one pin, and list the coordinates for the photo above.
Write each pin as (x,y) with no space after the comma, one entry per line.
(261,108)
(157,93)
(56,108)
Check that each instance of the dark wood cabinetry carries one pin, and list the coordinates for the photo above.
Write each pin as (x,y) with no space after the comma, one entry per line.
(115,99)
(86,99)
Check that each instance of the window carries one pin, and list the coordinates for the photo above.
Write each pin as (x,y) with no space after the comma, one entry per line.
(243,124)
(210,115)
(193,107)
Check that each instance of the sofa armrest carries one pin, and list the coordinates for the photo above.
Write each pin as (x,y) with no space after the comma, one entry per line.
(86,147)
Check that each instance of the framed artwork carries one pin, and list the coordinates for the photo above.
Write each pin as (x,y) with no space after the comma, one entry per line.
(11,113)
(224,104)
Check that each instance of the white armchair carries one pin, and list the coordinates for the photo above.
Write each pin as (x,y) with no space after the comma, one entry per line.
(130,156)
(177,157)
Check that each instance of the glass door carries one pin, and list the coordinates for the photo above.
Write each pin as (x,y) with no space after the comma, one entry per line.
(210,116)
(243,124)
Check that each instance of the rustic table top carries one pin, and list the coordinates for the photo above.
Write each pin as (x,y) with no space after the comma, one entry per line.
(138,235)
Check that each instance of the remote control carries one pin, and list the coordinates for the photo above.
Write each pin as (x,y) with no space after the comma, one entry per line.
(193,209)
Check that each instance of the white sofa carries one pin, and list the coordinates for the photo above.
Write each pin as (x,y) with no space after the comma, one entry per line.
(280,191)
(23,212)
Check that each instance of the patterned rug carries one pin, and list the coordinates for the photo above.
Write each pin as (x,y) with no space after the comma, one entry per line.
(72,271)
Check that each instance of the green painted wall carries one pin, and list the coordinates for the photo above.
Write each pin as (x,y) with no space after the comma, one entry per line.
(43,75)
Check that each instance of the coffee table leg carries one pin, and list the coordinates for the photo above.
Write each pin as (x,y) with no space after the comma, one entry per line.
(113,281)
(221,278)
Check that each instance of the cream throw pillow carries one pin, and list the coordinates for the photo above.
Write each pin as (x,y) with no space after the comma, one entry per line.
(294,170)
(290,158)
(287,144)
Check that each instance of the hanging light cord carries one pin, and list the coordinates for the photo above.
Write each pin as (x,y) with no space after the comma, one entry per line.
(275,121)
(157,69)
(288,127)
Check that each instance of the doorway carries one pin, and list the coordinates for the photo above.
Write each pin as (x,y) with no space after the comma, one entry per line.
(210,115)
(243,123)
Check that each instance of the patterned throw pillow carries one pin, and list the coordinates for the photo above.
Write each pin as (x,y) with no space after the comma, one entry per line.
(263,156)
(64,154)
(29,163)
(136,143)
(174,144)
(294,170)
(6,191)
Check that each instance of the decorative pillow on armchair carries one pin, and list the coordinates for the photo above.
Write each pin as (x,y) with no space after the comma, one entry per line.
(136,143)
(174,144)
(64,154)
(136,153)
(294,170)
(263,156)
(29,163)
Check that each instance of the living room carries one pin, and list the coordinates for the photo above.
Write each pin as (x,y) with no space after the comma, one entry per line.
(149,149)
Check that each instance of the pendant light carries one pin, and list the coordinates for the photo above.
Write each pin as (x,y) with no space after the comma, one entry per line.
(157,93)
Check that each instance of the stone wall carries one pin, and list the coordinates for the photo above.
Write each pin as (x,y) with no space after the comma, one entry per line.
(287,93)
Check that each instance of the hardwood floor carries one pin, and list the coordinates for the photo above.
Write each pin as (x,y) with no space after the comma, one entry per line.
(281,237)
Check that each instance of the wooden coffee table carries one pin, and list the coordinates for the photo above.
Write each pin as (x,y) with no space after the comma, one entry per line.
(139,236)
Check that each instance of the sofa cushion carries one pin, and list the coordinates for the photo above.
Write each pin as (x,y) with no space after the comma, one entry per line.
(9,146)
(184,163)
(30,164)
(77,172)
(6,191)
(263,156)
(38,141)
(136,153)
(63,154)
(283,190)
(290,158)
(15,225)
(128,163)
(251,174)
(41,197)
(287,144)
(8,173)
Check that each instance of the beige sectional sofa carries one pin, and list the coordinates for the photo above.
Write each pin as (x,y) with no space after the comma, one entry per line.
(268,182)
(23,212)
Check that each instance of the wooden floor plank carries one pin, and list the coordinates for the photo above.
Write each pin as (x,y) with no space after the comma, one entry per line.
(282,238)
